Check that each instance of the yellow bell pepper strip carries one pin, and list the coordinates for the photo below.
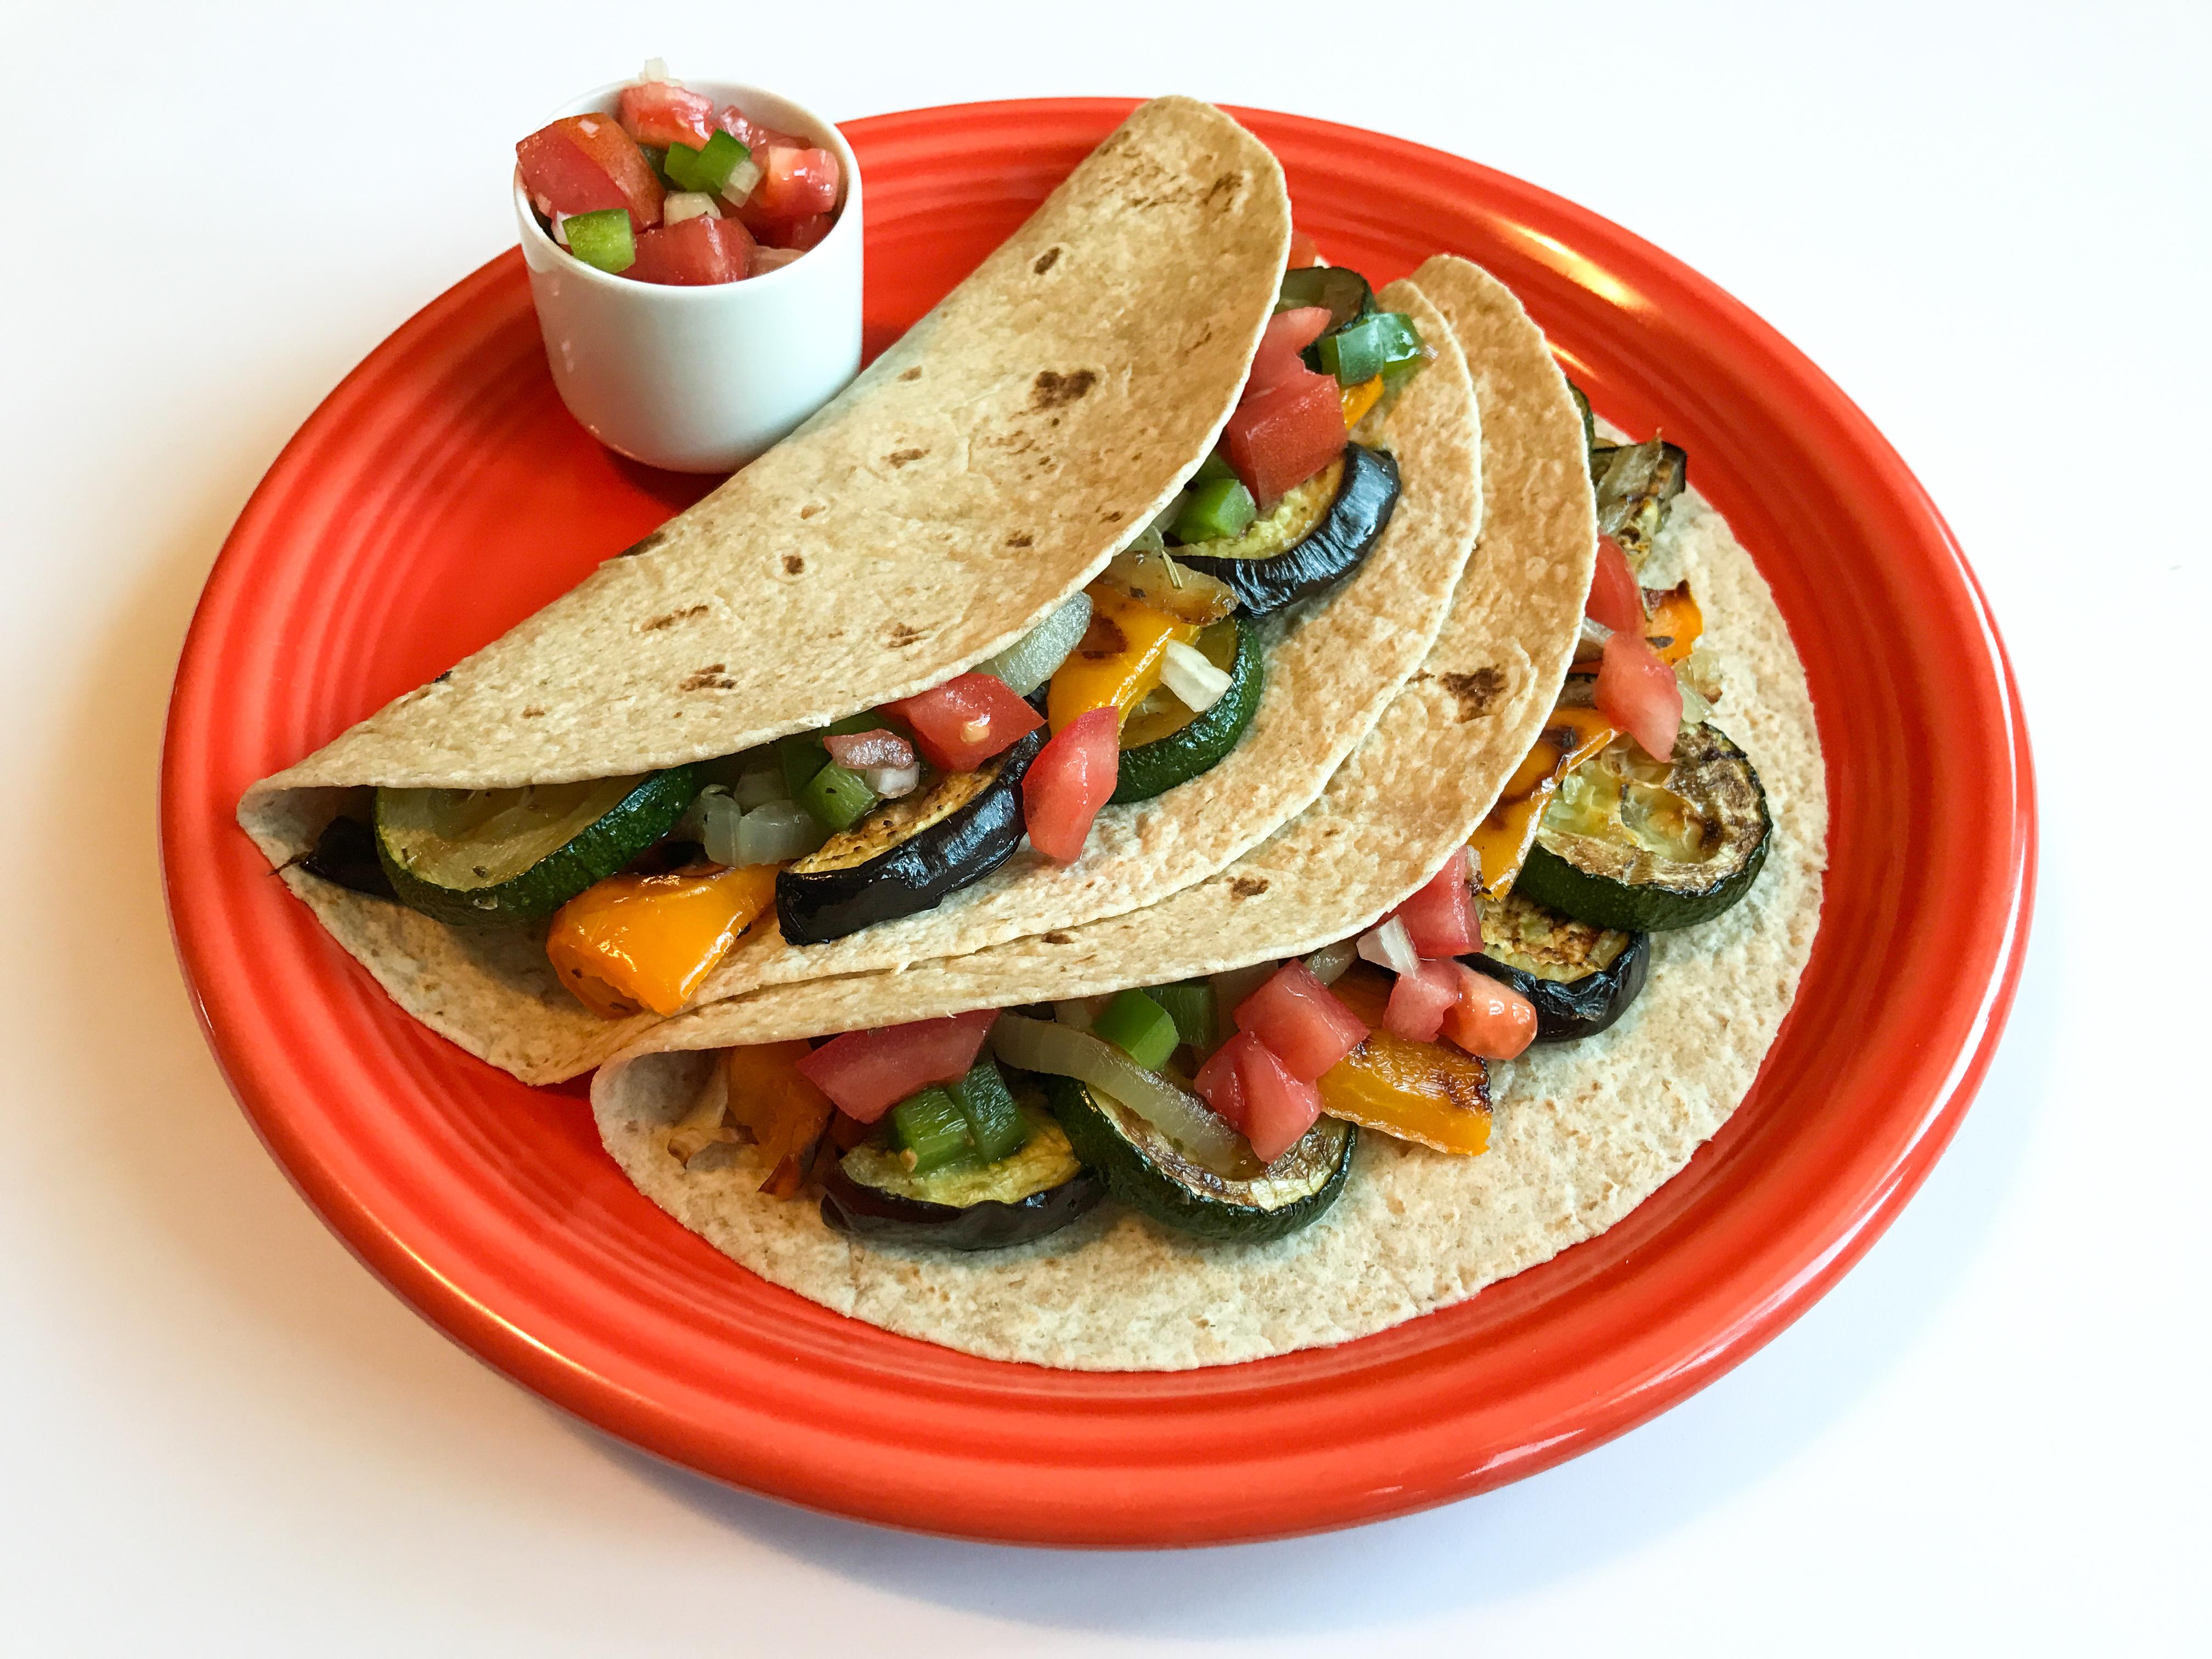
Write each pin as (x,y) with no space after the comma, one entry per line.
(1427,1092)
(1359,399)
(633,942)
(789,1117)
(1117,662)
(1502,840)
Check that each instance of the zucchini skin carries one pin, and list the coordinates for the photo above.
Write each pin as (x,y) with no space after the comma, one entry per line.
(918,873)
(1567,1010)
(1155,767)
(618,835)
(1332,550)
(869,1212)
(1133,1175)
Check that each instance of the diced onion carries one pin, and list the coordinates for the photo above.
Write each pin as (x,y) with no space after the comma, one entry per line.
(1037,1045)
(711,809)
(771,834)
(1198,683)
(656,69)
(892,782)
(759,788)
(742,181)
(681,205)
(1328,965)
(1390,945)
(862,749)
(560,229)
(1031,660)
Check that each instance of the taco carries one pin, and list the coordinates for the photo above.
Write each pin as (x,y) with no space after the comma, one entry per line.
(1007,588)
(1419,1041)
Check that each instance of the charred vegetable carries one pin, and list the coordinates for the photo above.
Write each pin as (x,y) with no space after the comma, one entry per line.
(1429,1093)
(345,854)
(1317,535)
(470,857)
(1036,1190)
(1149,1173)
(1581,977)
(1163,743)
(905,855)
(1636,483)
(1629,843)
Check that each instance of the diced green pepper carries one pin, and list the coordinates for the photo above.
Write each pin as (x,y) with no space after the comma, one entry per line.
(1221,507)
(838,797)
(933,1128)
(1190,1005)
(803,754)
(602,239)
(1359,351)
(1214,469)
(1139,1028)
(995,1122)
(707,169)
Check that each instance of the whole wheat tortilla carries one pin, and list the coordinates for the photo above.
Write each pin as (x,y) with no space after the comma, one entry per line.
(1584,1132)
(980,471)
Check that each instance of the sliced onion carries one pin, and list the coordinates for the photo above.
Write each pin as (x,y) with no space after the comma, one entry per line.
(1185,671)
(862,749)
(677,205)
(741,183)
(892,782)
(1390,945)
(1080,1012)
(712,821)
(771,834)
(759,788)
(1328,965)
(1029,661)
(1039,1045)
(1594,634)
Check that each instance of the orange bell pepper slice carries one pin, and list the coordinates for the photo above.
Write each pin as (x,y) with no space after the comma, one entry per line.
(633,942)
(788,1114)
(1502,840)
(1117,662)
(1427,1092)
(1672,623)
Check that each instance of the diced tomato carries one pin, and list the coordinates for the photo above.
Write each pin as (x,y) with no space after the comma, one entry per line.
(754,136)
(766,260)
(1301,1020)
(1286,435)
(804,234)
(587,164)
(659,114)
(1419,1002)
(1490,1019)
(1288,333)
(868,1072)
(699,251)
(1440,919)
(1072,777)
(1279,1106)
(1304,251)
(964,722)
(795,184)
(1218,1083)
(1639,693)
(1614,599)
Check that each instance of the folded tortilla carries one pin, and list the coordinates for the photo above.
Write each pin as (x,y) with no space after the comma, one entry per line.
(980,472)
(1583,1131)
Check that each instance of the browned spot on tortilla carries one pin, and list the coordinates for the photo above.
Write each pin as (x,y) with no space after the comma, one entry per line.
(1422,674)
(914,373)
(645,546)
(1020,538)
(1112,516)
(901,635)
(533,713)
(672,617)
(901,457)
(1244,887)
(793,564)
(1101,639)
(712,678)
(811,509)
(1050,391)
(1229,184)
(1476,692)
(1060,939)
(1045,261)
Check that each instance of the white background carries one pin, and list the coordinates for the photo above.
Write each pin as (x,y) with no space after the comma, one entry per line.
(218,1435)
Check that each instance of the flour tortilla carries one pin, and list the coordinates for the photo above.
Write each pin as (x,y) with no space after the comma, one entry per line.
(1584,1132)
(981,470)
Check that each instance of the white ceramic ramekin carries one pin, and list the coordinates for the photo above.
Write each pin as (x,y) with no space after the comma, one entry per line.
(702,380)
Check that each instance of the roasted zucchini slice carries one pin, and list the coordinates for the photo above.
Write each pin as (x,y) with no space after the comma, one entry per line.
(907,855)
(1166,746)
(1629,843)
(470,857)
(1151,1174)
(1581,977)
(1317,536)
(1033,1191)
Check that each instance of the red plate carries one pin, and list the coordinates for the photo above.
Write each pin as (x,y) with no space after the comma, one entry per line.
(441,493)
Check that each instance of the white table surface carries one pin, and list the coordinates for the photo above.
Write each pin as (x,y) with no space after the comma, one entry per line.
(220,1435)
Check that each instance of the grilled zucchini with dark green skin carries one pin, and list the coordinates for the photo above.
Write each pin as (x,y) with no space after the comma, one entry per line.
(1631,844)
(1580,977)
(1150,1174)
(1153,764)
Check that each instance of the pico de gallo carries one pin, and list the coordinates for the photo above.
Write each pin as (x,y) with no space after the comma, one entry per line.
(1142,681)
(670,189)
(1229,1106)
